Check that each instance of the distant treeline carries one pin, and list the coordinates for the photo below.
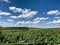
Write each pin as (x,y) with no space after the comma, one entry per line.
(13,28)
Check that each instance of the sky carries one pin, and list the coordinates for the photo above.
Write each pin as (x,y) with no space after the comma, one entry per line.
(30,13)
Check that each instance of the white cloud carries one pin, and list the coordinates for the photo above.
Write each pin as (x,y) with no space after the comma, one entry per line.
(26,22)
(53,12)
(4,13)
(36,19)
(14,9)
(54,22)
(57,17)
(24,13)
(10,20)
(28,15)
(6,1)
(14,17)
(34,22)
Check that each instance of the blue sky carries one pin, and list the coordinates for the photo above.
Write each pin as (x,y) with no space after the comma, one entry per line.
(30,13)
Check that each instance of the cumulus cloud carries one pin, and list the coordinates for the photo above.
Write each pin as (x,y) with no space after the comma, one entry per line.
(14,9)
(35,21)
(53,12)
(14,17)
(6,1)
(28,15)
(24,13)
(10,20)
(54,22)
(57,17)
(4,13)
(26,22)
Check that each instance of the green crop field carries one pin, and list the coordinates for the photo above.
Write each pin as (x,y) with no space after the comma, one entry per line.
(29,36)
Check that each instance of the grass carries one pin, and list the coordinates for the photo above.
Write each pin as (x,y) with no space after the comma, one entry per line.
(29,36)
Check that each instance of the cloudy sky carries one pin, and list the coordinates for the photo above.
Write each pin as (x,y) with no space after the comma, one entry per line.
(30,13)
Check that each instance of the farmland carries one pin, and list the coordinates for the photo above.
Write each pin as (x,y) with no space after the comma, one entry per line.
(29,36)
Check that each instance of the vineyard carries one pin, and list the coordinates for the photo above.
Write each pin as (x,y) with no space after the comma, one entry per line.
(29,36)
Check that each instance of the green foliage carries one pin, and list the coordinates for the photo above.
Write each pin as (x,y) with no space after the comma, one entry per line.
(30,36)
